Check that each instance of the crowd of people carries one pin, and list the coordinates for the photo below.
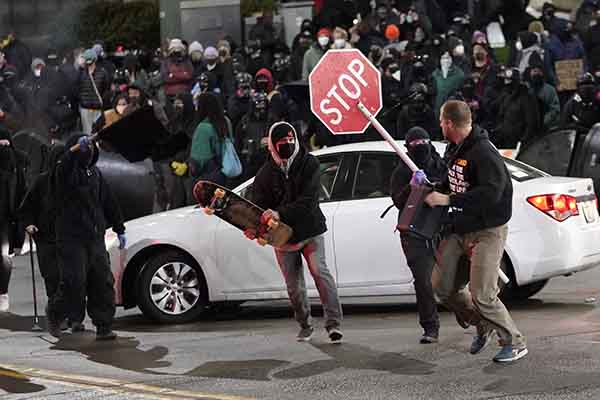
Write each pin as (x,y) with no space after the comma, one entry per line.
(428,52)
(493,55)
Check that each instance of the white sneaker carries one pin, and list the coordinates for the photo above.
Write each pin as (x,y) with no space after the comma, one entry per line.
(4,304)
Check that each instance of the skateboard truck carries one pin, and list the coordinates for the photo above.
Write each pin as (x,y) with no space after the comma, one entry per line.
(214,204)
(271,224)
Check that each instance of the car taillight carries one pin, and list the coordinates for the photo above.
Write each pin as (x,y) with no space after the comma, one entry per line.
(558,206)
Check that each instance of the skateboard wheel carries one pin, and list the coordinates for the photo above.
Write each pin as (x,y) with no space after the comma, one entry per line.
(262,241)
(209,211)
(219,193)
(272,223)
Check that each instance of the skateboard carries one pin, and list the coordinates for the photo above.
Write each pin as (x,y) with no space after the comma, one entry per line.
(241,213)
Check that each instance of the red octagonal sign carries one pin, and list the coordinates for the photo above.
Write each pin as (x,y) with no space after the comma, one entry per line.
(341,80)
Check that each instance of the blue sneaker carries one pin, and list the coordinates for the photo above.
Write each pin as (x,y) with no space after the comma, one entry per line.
(480,342)
(508,353)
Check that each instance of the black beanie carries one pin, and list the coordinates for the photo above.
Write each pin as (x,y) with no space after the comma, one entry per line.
(280,130)
(528,39)
(535,60)
(415,133)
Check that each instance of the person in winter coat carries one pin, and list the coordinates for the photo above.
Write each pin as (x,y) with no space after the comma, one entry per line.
(419,252)
(239,104)
(527,45)
(134,71)
(196,53)
(447,79)
(545,94)
(11,112)
(177,70)
(17,53)
(288,187)
(564,45)
(206,149)
(483,69)
(305,41)
(181,124)
(113,115)
(583,109)
(518,118)
(417,111)
(316,51)
(251,133)
(85,208)
(38,213)
(93,89)
(481,196)
(12,189)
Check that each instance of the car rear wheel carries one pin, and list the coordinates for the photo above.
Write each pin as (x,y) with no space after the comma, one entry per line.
(514,292)
(171,289)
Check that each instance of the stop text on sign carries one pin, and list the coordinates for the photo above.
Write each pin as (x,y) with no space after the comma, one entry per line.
(350,86)
(340,81)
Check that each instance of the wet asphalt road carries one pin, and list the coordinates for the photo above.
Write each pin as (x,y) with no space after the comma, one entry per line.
(252,354)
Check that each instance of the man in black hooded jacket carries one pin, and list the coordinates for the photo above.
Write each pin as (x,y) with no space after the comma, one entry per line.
(85,207)
(480,200)
(418,251)
(288,186)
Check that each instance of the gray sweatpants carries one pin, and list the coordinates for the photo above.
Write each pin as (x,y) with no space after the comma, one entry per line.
(290,262)
(480,304)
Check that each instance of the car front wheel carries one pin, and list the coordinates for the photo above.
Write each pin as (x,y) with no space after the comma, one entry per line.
(171,289)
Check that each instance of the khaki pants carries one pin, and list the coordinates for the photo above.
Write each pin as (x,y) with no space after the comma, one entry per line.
(479,305)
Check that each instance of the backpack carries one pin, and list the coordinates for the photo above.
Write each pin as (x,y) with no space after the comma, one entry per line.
(231,166)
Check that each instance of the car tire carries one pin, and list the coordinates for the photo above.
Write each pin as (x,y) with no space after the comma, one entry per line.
(526,291)
(171,289)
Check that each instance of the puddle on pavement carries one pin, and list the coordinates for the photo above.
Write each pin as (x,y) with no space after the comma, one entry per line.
(15,382)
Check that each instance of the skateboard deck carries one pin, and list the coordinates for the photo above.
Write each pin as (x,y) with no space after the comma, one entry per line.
(241,213)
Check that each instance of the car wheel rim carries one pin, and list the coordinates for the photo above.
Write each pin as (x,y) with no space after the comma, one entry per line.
(175,288)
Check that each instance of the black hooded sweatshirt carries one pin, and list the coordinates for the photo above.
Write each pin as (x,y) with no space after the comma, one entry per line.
(479,183)
(39,206)
(85,205)
(295,195)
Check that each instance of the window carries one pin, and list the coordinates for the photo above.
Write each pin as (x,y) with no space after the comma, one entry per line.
(329,171)
(521,172)
(374,174)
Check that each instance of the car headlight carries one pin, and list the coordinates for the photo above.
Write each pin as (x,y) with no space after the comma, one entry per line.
(110,239)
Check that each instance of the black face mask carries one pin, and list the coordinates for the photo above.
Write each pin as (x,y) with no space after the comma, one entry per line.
(420,153)
(537,81)
(587,93)
(286,150)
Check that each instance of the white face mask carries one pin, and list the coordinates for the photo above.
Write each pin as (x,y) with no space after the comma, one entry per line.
(37,72)
(323,41)
(519,45)
(339,43)
(445,64)
(419,35)
(397,75)
(459,50)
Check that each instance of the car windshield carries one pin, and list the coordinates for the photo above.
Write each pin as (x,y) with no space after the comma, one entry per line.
(521,172)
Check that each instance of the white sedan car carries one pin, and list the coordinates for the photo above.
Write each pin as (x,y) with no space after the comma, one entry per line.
(177,263)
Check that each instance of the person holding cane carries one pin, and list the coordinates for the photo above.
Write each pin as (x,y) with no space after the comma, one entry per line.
(480,197)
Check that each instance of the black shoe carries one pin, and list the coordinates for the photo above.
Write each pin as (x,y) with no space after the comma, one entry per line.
(54,328)
(64,326)
(77,327)
(103,334)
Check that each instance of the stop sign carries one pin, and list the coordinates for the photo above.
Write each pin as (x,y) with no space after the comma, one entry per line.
(340,81)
